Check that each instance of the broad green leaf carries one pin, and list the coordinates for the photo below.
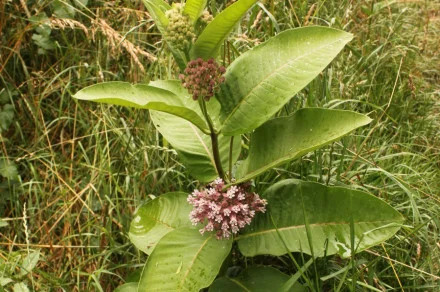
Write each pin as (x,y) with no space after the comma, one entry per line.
(262,80)
(255,279)
(193,8)
(302,213)
(142,96)
(157,9)
(128,287)
(184,260)
(158,217)
(210,40)
(194,147)
(282,139)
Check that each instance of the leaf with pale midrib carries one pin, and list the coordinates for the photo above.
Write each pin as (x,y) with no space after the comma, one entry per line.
(301,210)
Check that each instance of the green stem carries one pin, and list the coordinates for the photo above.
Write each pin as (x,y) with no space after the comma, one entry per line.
(214,139)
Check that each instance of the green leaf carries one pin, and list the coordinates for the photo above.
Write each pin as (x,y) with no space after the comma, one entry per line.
(157,9)
(262,80)
(255,279)
(184,260)
(194,147)
(8,169)
(193,8)
(3,223)
(142,96)
(5,281)
(29,262)
(20,287)
(282,139)
(127,287)
(210,40)
(6,116)
(302,213)
(158,217)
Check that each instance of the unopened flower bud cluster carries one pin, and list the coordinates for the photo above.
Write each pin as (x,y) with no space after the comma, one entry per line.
(202,78)
(180,30)
(224,211)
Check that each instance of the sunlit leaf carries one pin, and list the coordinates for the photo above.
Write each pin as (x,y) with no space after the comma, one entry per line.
(142,96)
(286,138)
(262,80)
(210,40)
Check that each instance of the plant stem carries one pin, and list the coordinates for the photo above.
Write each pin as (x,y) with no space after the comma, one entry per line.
(214,139)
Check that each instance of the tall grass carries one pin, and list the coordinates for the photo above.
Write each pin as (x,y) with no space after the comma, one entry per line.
(82,169)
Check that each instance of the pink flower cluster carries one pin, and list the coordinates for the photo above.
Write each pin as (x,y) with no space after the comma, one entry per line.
(224,211)
(202,78)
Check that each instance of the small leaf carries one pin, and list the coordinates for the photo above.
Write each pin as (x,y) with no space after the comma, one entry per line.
(210,40)
(5,281)
(6,116)
(142,96)
(262,80)
(193,8)
(8,169)
(3,223)
(158,217)
(287,138)
(29,262)
(20,287)
(305,210)
(255,279)
(184,260)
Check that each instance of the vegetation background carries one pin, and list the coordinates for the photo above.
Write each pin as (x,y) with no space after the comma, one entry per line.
(72,173)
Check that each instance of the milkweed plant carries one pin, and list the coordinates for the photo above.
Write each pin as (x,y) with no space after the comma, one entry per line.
(203,115)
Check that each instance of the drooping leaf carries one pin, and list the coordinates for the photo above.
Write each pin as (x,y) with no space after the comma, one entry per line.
(184,260)
(302,213)
(158,217)
(142,96)
(262,80)
(255,279)
(210,40)
(282,139)
(193,8)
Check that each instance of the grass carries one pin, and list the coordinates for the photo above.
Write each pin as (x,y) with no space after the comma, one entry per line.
(74,172)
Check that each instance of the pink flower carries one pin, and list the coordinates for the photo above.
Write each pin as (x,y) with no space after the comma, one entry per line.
(224,211)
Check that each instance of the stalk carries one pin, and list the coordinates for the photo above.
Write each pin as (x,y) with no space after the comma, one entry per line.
(214,139)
